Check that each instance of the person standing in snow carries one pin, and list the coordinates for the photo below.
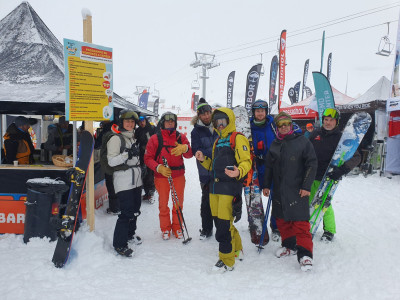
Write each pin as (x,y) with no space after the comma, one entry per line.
(325,141)
(203,137)
(172,145)
(263,132)
(291,164)
(127,180)
(228,168)
(143,134)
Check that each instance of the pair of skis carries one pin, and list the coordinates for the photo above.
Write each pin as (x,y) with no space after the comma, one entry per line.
(178,209)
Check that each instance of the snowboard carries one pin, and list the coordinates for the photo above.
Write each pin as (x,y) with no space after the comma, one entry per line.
(352,136)
(68,222)
(242,121)
(255,209)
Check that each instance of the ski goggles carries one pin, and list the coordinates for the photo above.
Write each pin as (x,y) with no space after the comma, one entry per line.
(129,115)
(283,123)
(260,104)
(220,122)
(170,117)
(331,112)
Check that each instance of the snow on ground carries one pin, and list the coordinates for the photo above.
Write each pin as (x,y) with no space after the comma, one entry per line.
(361,263)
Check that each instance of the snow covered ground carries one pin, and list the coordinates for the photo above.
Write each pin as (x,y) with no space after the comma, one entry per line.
(361,263)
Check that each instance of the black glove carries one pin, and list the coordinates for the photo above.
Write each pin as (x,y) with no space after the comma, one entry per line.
(133,151)
(237,208)
(337,172)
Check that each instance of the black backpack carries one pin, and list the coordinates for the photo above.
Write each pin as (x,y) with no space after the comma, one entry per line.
(103,154)
(161,145)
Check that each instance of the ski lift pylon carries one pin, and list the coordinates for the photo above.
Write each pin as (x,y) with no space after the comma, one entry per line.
(385,46)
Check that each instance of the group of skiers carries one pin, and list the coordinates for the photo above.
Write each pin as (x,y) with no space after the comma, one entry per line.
(290,167)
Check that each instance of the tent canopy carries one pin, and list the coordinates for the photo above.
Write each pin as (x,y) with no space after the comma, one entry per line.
(32,67)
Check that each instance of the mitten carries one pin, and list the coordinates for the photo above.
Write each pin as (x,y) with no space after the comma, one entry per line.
(237,208)
(179,149)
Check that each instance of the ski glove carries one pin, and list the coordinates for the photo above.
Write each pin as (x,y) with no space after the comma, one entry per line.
(237,208)
(164,171)
(179,149)
(337,172)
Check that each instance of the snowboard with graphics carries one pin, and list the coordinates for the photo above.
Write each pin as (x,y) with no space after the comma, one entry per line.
(352,136)
(68,222)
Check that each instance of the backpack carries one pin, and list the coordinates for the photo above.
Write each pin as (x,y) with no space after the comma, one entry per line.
(232,139)
(161,144)
(103,154)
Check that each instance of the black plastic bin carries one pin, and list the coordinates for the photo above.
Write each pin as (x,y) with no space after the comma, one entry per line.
(42,194)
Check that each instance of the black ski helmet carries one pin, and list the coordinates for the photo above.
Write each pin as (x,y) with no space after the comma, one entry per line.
(126,114)
(166,117)
(334,113)
(259,104)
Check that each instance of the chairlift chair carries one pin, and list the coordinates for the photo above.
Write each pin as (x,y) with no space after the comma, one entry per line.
(385,46)
(195,85)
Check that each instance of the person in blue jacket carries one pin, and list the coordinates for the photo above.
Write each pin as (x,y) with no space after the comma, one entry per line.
(203,137)
(263,132)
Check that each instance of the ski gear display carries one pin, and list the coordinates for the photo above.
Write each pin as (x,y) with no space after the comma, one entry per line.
(351,138)
(183,232)
(70,218)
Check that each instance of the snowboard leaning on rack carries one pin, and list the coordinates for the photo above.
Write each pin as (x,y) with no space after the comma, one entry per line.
(352,136)
(69,220)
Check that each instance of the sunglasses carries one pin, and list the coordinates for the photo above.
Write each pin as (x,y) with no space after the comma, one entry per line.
(220,122)
(283,123)
(170,117)
(331,112)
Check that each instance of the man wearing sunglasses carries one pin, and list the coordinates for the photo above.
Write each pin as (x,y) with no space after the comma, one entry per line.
(228,167)
(143,134)
(175,147)
(203,137)
(325,141)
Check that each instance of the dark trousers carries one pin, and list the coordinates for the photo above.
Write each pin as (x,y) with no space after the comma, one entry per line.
(130,202)
(113,202)
(148,181)
(205,210)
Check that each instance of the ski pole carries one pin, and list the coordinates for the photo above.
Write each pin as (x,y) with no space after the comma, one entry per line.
(178,208)
(265,224)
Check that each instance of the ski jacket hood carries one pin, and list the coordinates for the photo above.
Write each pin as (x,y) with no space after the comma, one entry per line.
(231,127)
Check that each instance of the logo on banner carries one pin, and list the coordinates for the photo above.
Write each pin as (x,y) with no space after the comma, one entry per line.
(283,44)
(253,77)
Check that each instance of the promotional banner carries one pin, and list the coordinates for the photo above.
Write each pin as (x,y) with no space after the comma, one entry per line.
(192,101)
(195,102)
(144,99)
(323,93)
(229,92)
(329,67)
(292,96)
(251,86)
(297,91)
(305,75)
(282,64)
(155,106)
(393,102)
(88,81)
(308,91)
(273,74)
(322,50)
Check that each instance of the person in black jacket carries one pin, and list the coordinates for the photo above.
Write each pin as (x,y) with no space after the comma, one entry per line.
(203,137)
(143,134)
(291,164)
(325,141)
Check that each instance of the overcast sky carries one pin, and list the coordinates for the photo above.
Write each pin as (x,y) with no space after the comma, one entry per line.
(154,41)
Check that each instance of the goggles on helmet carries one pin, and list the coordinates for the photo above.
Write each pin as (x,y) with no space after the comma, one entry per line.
(170,117)
(128,114)
(142,118)
(331,112)
(260,104)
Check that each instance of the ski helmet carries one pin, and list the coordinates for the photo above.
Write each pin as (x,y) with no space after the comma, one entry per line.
(259,104)
(126,114)
(334,113)
(166,117)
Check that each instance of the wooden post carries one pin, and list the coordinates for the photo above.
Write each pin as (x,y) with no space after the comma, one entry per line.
(87,38)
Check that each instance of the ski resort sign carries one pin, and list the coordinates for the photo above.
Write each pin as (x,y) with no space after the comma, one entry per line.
(88,81)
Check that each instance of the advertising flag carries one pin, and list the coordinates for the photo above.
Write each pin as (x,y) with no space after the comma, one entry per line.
(393,103)
(305,75)
(143,99)
(297,91)
(229,92)
(192,101)
(273,74)
(292,95)
(323,93)
(282,64)
(251,86)
(155,106)
(329,67)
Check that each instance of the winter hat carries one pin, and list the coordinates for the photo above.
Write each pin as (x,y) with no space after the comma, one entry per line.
(21,121)
(203,106)
(281,117)
(309,125)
